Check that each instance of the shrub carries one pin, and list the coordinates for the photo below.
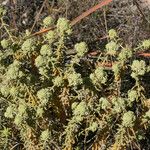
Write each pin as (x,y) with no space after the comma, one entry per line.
(52,101)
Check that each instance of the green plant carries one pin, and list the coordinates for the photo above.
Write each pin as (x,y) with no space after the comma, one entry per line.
(52,101)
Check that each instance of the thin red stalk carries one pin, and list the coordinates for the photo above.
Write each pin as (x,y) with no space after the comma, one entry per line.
(91,10)
(80,17)
(144,54)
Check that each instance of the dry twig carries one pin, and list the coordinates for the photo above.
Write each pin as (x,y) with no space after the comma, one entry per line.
(80,17)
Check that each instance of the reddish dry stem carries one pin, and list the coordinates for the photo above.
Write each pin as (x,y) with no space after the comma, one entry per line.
(43,31)
(91,10)
(79,18)
(144,54)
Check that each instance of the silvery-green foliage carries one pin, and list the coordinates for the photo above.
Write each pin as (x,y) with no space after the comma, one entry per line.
(128,119)
(99,76)
(147,115)
(74,105)
(93,127)
(46,50)
(112,34)
(63,26)
(5,133)
(22,108)
(148,68)
(44,95)
(81,49)
(43,61)
(50,36)
(45,135)
(14,71)
(43,71)
(78,118)
(58,81)
(74,79)
(14,91)
(48,21)
(46,92)
(138,68)
(104,103)
(1,56)
(119,104)
(40,61)
(4,89)
(18,119)
(28,46)
(39,112)
(81,109)
(146,44)
(132,95)
(116,68)
(125,54)
(9,112)
(4,43)
(112,48)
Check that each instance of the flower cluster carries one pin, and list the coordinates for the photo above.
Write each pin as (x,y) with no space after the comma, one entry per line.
(48,21)
(13,71)
(80,109)
(138,68)
(44,96)
(28,46)
(45,135)
(4,43)
(39,112)
(119,104)
(104,103)
(9,113)
(74,79)
(116,69)
(99,76)
(18,119)
(81,49)
(14,91)
(146,44)
(4,89)
(58,81)
(50,36)
(46,50)
(112,34)
(147,115)
(132,95)
(125,54)
(40,61)
(42,64)
(22,108)
(63,26)
(93,127)
(112,48)
(128,119)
